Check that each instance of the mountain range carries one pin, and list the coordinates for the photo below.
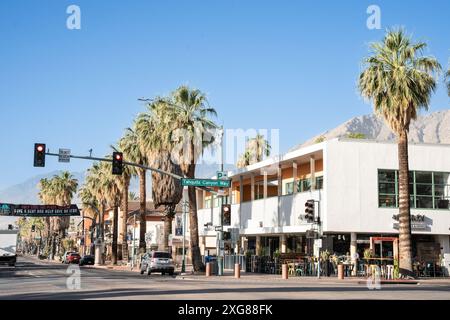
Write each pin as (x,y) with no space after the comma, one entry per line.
(430,128)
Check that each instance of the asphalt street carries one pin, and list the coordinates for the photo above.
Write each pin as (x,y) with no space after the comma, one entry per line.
(34,279)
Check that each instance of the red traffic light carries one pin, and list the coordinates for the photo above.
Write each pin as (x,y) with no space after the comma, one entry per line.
(40,148)
(118,156)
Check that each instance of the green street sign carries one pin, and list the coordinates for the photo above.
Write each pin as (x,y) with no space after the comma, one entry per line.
(212,183)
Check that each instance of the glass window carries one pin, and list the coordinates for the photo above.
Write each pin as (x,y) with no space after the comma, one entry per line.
(387,201)
(423,177)
(424,202)
(386,176)
(388,188)
(289,188)
(424,189)
(319,183)
(304,185)
(441,178)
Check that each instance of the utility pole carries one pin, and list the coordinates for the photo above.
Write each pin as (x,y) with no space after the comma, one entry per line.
(220,233)
(184,202)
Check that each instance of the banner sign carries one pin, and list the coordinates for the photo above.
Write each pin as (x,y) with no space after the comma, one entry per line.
(27,210)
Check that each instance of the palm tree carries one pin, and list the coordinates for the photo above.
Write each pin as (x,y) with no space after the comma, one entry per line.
(128,172)
(399,80)
(90,208)
(191,114)
(64,186)
(256,149)
(154,133)
(93,183)
(132,152)
(111,185)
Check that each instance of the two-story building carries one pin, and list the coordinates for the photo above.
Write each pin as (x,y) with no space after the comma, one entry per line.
(354,183)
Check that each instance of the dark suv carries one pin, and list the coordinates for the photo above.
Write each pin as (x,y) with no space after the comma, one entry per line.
(157,261)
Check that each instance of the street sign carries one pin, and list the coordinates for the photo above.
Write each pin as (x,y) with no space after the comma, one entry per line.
(311,234)
(318,243)
(222,175)
(64,155)
(7,209)
(205,183)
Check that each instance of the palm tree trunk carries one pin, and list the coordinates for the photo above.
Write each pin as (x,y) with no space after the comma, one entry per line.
(124,248)
(114,239)
(196,258)
(142,210)
(405,259)
(167,231)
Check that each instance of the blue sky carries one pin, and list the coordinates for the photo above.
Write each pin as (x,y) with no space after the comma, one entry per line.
(290,65)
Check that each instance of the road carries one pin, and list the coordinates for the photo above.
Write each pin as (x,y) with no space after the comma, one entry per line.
(33,279)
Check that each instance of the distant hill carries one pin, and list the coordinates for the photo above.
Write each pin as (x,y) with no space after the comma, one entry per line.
(430,128)
(27,191)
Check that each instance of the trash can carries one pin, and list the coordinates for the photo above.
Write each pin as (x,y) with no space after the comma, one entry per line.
(212,260)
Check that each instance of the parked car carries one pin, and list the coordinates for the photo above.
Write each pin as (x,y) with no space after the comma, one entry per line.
(87,260)
(73,258)
(157,261)
(65,256)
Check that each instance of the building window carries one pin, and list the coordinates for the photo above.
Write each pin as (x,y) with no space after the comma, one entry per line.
(289,188)
(319,183)
(428,190)
(304,185)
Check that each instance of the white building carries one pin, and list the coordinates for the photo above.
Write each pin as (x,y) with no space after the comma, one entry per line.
(354,185)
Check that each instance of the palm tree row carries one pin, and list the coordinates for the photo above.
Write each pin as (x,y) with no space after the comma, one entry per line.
(57,191)
(168,135)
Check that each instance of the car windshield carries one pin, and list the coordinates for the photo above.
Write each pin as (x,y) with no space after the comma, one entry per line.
(165,255)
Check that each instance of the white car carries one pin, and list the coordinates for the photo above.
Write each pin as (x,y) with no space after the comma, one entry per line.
(157,261)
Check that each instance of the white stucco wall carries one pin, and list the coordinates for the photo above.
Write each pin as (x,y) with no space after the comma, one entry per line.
(351,185)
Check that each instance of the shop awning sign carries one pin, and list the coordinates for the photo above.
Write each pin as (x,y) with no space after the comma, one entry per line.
(27,210)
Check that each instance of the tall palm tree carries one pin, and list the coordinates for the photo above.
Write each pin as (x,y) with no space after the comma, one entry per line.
(64,187)
(154,136)
(111,185)
(133,153)
(93,182)
(90,208)
(191,114)
(400,80)
(125,145)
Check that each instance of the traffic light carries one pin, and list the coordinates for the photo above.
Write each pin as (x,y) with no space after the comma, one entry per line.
(33,228)
(117,164)
(226,214)
(39,155)
(309,211)
(226,236)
